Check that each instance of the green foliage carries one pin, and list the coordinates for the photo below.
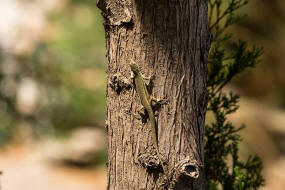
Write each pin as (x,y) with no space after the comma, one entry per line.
(227,58)
(5,127)
(70,103)
(8,113)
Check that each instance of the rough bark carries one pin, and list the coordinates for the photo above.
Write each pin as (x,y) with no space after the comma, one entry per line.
(169,40)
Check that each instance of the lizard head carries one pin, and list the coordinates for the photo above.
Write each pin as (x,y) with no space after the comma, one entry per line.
(134,67)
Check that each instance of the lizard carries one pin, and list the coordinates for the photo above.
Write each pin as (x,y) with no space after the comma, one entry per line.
(146,102)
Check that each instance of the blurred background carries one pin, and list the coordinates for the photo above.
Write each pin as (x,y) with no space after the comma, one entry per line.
(52,94)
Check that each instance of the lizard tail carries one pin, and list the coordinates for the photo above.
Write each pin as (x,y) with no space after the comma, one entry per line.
(155,141)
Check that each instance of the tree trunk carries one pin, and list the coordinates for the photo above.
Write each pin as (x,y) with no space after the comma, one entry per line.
(169,40)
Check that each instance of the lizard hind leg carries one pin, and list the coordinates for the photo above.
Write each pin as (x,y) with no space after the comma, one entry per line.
(141,111)
(141,114)
(158,101)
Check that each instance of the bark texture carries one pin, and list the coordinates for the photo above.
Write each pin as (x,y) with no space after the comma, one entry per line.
(169,40)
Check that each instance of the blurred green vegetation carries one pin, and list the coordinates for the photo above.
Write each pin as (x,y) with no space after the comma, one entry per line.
(68,66)
(264,26)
